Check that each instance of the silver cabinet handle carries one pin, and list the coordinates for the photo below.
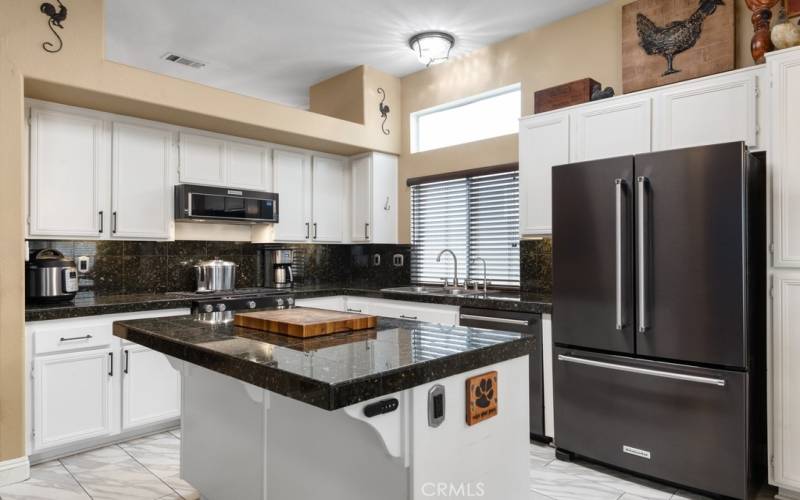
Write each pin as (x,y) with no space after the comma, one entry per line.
(619,186)
(68,339)
(101,220)
(641,244)
(308,233)
(642,371)
(353,310)
(408,317)
(507,321)
(114,222)
(126,361)
(111,364)
(366,230)
(315,230)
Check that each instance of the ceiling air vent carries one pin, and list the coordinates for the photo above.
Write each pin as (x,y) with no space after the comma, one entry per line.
(169,56)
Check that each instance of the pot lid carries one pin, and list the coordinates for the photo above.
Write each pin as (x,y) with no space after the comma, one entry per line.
(50,257)
(216,262)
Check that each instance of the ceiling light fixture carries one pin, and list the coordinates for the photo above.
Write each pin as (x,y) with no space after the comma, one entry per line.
(432,47)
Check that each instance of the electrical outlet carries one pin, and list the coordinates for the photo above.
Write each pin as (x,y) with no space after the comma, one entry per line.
(397,260)
(376,260)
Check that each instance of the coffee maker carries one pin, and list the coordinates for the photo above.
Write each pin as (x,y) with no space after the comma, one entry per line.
(278,272)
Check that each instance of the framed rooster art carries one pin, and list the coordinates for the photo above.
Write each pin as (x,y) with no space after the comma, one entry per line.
(668,41)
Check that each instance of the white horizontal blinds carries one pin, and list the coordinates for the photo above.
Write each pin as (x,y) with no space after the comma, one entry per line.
(474,217)
(439,220)
(494,227)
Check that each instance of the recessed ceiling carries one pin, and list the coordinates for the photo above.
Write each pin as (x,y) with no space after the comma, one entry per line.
(275,50)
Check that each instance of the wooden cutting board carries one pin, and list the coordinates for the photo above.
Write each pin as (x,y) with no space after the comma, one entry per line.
(304,321)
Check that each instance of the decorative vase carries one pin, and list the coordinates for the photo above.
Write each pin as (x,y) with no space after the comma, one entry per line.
(762,15)
(785,34)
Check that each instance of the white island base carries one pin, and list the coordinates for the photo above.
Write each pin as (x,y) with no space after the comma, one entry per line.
(243,442)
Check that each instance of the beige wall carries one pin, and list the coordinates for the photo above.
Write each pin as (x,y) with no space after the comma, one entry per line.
(79,75)
(585,45)
(341,96)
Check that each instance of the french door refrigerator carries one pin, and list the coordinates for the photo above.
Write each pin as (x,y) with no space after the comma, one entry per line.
(659,315)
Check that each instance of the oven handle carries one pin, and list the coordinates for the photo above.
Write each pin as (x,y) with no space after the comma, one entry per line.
(507,321)
(643,371)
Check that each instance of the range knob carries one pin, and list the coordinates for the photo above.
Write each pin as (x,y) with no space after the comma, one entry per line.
(290,301)
(279,303)
(221,307)
(208,308)
(251,304)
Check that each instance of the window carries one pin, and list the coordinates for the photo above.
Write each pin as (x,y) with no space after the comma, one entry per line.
(491,114)
(472,216)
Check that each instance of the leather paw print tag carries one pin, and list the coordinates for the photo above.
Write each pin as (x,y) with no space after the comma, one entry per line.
(481,397)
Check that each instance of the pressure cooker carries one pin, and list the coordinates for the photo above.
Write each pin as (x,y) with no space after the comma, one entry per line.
(50,277)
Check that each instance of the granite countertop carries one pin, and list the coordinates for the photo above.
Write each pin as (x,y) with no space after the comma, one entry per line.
(331,371)
(88,304)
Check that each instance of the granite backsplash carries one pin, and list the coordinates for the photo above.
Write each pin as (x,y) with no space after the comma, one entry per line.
(536,265)
(146,266)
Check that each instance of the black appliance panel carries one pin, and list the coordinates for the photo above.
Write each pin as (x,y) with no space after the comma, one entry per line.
(193,203)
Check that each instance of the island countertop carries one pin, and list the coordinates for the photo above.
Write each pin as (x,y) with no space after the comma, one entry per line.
(332,371)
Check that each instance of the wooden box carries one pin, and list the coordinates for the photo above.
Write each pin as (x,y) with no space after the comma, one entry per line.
(562,96)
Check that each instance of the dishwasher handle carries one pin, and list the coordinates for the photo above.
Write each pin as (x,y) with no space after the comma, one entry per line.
(505,321)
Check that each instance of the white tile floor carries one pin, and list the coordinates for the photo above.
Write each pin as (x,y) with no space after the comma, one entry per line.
(147,469)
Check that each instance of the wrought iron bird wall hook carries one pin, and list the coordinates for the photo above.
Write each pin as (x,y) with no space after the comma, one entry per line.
(56,18)
(384,109)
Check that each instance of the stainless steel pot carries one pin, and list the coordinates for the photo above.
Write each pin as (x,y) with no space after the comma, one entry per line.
(215,275)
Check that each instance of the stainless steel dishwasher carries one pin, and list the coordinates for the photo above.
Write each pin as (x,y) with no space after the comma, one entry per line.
(522,322)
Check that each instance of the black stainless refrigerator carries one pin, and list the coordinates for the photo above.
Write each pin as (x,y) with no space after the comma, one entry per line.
(659,298)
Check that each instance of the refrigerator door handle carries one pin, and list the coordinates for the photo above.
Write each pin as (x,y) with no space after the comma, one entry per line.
(643,371)
(641,245)
(620,209)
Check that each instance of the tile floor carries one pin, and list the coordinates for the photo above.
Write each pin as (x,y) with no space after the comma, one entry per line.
(147,469)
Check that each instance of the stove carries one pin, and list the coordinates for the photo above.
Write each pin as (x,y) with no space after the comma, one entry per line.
(220,309)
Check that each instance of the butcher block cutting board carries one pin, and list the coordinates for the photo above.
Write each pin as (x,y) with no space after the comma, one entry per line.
(304,321)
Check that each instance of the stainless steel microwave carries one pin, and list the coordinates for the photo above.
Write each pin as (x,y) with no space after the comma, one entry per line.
(214,204)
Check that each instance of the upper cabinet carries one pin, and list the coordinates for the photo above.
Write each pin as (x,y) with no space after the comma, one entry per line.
(293,185)
(373,189)
(327,199)
(544,142)
(614,128)
(723,109)
(141,164)
(68,163)
(214,161)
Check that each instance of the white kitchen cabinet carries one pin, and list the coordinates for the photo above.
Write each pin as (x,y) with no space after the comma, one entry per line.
(202,160)
(403,309)
(616,128)
(141,187)
(150,387)
(248,167)
(784,155)
(544,141)
(68,164)
(785,381)
(292,182)
(73,397)
(709,111)
(336,303)
(374,198)
(327,199)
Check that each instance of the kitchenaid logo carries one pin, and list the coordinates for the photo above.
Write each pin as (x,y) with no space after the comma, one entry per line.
(636,451)
(453,490)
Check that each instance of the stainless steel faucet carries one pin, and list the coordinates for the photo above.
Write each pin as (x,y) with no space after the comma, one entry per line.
(484,270)
(455,265)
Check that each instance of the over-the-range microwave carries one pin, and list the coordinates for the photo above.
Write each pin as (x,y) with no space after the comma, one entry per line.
(214,204)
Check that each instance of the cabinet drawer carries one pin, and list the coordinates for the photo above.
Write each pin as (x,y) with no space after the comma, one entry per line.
(672,422)
(70,337)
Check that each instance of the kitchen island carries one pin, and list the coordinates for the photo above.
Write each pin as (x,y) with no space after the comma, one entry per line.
(378,413)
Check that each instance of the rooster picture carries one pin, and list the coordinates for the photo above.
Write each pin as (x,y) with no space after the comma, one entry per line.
(677,36)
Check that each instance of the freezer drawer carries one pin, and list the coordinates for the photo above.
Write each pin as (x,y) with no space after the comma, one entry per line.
(682,424)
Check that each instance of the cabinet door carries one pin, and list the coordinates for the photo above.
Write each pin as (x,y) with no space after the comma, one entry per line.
(784,152)
(292,184)
(608,130)
(141,191)
(248,167)
(384,199)
(543,143)
(333,303)
(327,204)
(202,160)
(150,387)
(68,155)
(73,397)
(361,193)
(785,380)
(710,112)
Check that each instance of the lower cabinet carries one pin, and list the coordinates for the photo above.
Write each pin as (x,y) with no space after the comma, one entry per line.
(88,386)
(73,397)
(400,309)
(151,388)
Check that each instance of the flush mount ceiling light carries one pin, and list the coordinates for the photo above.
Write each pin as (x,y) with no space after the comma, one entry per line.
(432,47)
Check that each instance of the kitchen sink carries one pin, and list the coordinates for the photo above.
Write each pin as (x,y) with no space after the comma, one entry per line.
(434,290)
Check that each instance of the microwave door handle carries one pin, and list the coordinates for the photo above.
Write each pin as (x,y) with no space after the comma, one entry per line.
(642,239)
(620,209)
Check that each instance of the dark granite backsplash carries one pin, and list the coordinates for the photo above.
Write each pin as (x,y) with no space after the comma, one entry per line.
(536,265)
(146,266)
